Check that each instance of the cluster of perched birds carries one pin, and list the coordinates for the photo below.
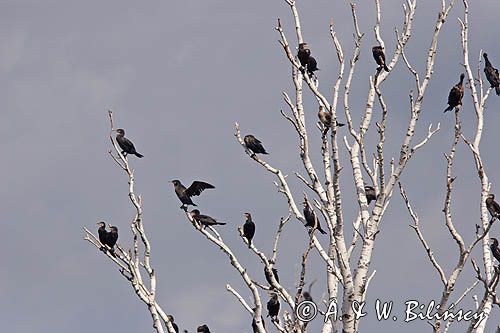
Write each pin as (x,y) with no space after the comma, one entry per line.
(309,64)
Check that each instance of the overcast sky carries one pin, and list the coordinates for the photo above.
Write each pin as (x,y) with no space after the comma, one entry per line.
(178,74)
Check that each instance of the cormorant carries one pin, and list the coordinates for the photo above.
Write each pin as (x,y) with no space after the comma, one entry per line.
(370,194)
(273,307)
(312,66)
(112,237)
(379,56)
(174,325)
(103,234)
(303,54)
(326,119)
(254,144)
(494,249)
(184,194)
(268,275)
(491,74)
(312,220)
(205,220)
(248,229)
(493,206)
(203,329)
(125,144)
(306,295)
(456,94)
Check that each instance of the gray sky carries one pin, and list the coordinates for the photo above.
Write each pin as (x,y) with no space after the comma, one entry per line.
(178,75)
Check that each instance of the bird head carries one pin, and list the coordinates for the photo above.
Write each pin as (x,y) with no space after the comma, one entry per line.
(491,196)
(377,48)
(462,76)
(247,216)
(171,318)
(303,46)
(175,182)
(101,224)
(195,212)
(369,188)
(113,228)
(485,55)
(120,131)
(494,241)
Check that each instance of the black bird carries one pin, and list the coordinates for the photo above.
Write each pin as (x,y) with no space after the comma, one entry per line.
(112,237)
(370,194)
(174,325)
(493,206)
(125,144)
(303,54)
(326,119)
(268,275)
(379,56)
(312,220)
(249,229)
(205,220)
(456,94)
(203,329)
(494,249)
(312,66)
(307,294)
(103,234)
(184,194)
(254,144)
(273,307)
(491,74)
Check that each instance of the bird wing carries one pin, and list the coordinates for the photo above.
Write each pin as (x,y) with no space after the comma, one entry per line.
(496,206)
(454,95)
(197,187)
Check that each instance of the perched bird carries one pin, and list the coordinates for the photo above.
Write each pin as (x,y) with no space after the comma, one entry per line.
(494,249)
(379,56)
(205,220)
(268,275)
(273,307)
(491,74)
(125,144)
(248,229)
(456,94)
(307,294)
(312,220)
(203,329)
(103,234)
(326,119)
(370,194)
(493,206)
(254,144)
(312,66)
(174,325)
(303,54)
(184,194)
(112,237)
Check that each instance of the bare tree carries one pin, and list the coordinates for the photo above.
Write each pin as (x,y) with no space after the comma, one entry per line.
(348,272)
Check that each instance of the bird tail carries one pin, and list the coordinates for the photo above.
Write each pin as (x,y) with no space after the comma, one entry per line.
(497,90)
(449,108)
(221,223)
(340,124)
(385,68)
(321,230)
(249,243)
(139,155)
(265,153)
